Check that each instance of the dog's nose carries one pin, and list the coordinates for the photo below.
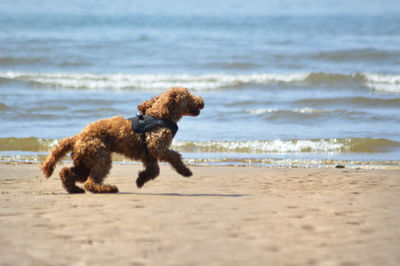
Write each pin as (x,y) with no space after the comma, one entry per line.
(201,103)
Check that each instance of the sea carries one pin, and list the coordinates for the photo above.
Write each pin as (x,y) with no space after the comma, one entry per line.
(288,83)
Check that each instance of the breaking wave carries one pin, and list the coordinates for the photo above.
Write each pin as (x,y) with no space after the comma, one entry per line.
(379,82)
(290,146)
(293,153)
(305,110)
(257,146)
(384,83)
(147,81)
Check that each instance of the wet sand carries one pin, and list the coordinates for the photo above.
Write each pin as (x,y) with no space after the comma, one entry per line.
(220,216)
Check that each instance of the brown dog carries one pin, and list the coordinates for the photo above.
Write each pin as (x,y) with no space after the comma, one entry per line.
(92,148)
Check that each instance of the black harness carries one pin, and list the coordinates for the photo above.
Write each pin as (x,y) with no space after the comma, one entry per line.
(144,123)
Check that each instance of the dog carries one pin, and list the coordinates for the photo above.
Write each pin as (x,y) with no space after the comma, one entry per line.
(92,148)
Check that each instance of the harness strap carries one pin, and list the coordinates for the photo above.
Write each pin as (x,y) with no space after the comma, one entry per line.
(144,123)
(142,130)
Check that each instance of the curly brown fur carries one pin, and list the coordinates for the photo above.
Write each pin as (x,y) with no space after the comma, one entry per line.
(92,148)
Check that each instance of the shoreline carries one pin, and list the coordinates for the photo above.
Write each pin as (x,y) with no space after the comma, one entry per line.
(291,164)
(219,216)
(379,153)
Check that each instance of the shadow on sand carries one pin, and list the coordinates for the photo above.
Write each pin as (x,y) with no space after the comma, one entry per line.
(154,194)
(187,194)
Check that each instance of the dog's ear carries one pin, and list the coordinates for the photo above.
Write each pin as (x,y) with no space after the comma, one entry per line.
(171,101)
(146,105)
(177,93)
(166,105)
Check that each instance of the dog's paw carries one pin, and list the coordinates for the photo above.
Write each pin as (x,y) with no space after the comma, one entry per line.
(75,190)
(109,189)
(140,182)
(186,172)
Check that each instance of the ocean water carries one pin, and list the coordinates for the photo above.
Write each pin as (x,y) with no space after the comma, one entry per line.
(285,83)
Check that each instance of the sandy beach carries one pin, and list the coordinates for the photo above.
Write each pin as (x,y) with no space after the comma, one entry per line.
(220,216)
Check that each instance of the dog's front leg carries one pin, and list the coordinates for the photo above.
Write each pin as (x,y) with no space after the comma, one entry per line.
(151,171)
(175,160)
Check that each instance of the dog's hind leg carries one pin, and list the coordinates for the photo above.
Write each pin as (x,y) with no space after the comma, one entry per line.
(78,173)
(68,179)
(98,172)
(81,172)
(151,171)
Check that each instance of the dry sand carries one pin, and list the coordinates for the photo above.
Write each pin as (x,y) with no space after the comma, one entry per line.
(220,216)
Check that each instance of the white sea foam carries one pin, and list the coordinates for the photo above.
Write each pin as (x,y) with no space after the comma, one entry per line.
(344,145)
(261,111)
(383,83)
(277,146)
(305,110)
(379,82)
(148,81)
(308,110)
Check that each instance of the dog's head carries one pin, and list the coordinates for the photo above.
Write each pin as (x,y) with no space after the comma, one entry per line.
(173,104)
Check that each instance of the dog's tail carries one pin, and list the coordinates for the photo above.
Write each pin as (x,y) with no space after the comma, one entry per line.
(55,155)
